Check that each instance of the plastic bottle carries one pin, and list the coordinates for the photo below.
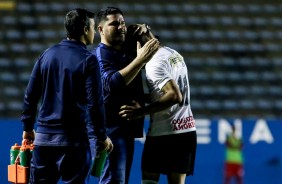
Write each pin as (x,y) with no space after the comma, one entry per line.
(24,156)
(99,162)
(14,152)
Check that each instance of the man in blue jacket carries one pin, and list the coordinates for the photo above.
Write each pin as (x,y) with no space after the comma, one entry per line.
(122,84)
(66,78)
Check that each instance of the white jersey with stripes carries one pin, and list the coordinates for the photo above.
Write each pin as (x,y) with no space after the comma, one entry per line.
(167,64)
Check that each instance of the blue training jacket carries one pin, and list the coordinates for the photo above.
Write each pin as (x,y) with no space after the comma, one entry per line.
(116,93)
(66,78)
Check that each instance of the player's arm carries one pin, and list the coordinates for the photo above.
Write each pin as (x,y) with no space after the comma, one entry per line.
(172,96)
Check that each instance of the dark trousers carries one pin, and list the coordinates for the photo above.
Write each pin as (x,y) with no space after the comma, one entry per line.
(50,163)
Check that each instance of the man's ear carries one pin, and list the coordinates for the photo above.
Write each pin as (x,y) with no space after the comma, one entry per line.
(100,29)
(85,30)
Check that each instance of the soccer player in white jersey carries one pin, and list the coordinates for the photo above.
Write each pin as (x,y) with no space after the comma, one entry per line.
(170,145)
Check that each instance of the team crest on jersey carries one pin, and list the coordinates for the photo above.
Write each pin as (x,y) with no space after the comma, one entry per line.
(174,59)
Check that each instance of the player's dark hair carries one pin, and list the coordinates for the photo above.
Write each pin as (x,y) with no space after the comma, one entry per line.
(131,39)
(75,22)
(103,13)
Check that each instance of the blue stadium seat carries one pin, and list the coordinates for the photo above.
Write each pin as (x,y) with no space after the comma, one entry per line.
(250,35)
(209,20)
(18,48)
(37,47)
(218,76)
(264,104)
(244,21)
(228,62)
(56,7)
(257,90)
(226,21)
(250,76)
(7,77)
(238,8)
(206,90)
(241,90)
(156,8)
(246,104)
(183,34)
(138,7)
(205,8)
(3,49)
(49,34)
(278,34)
(5,63)
(273,47)
(269,76)
(197,104)
(234,76)
(213,104)
(45,20)
(32,34)
(24,7)
(276,21)
(198,76)
(13,34)
(259,21)
(222,47)
(224,90)
(278,104)
(9,20)
(188,8)
(216,35)
(28,20)
(199,34)
(230,105)
(274,90)
(41,7)
(11,91)
(15,105)
(271,8)
(23,63)
(254,8)
(172,8)
(24,77)
(221,8)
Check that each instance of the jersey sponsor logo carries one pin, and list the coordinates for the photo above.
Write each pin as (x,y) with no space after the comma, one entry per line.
(183,123)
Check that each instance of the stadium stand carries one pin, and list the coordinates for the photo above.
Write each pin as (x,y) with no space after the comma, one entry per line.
(233,49)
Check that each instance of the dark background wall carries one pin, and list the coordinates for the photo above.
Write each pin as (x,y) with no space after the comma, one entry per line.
(232,49)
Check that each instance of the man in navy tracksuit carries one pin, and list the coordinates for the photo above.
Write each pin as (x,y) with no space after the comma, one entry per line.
(66,78)
(121,85)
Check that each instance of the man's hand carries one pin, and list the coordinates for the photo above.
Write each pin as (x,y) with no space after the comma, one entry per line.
(28,137)
(130,111)
(146,52)
(106,145)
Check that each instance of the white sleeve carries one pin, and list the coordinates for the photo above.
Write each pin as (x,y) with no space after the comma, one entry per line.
(158,72)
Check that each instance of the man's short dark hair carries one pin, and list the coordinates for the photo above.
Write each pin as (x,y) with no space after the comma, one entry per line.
(103,13)
(76,20)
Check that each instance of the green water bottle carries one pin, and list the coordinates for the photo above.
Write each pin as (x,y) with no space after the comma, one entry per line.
(99,162)
(24,156)
(14,152)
